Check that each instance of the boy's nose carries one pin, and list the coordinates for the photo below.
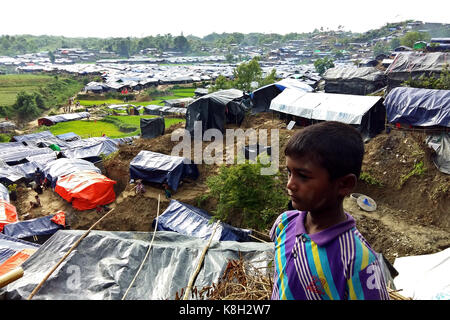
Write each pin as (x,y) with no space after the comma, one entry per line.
(291,183)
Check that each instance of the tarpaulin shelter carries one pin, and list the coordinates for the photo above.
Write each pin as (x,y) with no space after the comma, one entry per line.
(8,214)
(13,252)
(159,168)
(216,109)
(353,80)
(86,189)
(69,136)
(7,126)
(9,175)
(64,166)
(412,65)
(262,97)
(192,221)
(424,277)
(440,143)
(152,109)
(4,193)
(13,153)
(90,149)
(418,107)
(108,262)
(52,120)
(152,127)
(366,113)
(36,230)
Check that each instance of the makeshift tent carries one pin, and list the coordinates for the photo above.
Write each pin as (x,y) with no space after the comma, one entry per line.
(52,120)
(9,175)
(4,193)
(424,277)
(191,221)
(40,139)
(262,97)
(13,153)
(90,149)
(7,126)
(418,107)
(86,189)
(64,166)
(13,252)
(8,214)
(412,65)
(108,262)
(440,143)
(32,136)
(69,136)
(353,80)
(152,127)
(366,113)
(216,109)
(159,168)
(36,230)
(152,109)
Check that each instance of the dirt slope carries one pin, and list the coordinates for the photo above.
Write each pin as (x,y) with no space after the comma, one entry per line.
(410,219)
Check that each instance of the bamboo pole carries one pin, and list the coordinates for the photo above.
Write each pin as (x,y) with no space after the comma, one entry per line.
(199,264)
(67,254)
(148,251)
(11,276)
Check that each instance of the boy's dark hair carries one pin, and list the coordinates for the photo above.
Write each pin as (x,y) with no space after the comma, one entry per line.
(336,146)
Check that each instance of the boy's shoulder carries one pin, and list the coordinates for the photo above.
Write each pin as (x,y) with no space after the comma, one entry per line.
(284,221)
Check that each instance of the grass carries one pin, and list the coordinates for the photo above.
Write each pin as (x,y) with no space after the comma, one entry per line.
(12,84)
(157,100)
(91,128)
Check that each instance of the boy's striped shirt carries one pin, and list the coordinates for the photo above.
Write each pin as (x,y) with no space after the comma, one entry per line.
(336,263)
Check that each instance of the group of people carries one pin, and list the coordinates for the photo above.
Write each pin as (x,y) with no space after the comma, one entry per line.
(38,184)
(140,188)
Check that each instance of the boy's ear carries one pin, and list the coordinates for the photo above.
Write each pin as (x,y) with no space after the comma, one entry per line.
(347,184)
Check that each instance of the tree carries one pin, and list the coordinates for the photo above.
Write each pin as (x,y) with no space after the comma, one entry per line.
(246,73)
(51,56)
(26,106)
(323,64)
(181,44)
(412,37)
(380,48)
(221,83)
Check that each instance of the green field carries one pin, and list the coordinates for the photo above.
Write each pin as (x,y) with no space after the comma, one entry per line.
(91,128)
(12,84)
(158,100)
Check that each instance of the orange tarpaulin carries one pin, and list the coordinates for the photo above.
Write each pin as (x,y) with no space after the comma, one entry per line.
(86,190)
(59,218)
(8,214)
(15,260)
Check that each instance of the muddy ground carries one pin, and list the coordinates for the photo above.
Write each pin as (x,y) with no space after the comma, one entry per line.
(412,217)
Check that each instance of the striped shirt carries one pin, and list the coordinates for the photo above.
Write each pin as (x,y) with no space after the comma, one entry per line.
(336,263)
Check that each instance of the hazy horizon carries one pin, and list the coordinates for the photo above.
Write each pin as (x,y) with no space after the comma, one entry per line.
(116,19)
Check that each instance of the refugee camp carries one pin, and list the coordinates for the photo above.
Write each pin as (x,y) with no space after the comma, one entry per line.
(306,164)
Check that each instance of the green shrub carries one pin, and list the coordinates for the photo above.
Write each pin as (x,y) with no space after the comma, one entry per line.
(241,191)
(368,178)
(418,170)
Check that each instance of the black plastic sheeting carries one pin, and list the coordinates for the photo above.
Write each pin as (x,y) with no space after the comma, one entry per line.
(159,168)
(191,221)
(440,143)
(418,107)
(64,166)
(104,264)
(29,229)
(152,127)
(217,109)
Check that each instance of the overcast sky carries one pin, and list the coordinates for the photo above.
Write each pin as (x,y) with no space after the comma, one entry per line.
(139,18)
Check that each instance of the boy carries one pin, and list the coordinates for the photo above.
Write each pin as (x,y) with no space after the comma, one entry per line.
(319,253)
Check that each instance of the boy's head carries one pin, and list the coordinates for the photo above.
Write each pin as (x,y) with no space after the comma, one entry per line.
(336,146)
(324,161)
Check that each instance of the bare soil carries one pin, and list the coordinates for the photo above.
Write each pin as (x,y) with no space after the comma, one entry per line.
(411,218)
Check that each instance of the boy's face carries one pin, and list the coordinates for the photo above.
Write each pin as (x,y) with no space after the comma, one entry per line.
(309,186)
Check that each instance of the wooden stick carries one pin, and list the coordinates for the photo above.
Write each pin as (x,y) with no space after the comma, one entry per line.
(11,276)
(199,264)
(67,254)
(148,251)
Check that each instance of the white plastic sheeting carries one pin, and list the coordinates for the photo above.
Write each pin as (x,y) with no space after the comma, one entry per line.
(424,277)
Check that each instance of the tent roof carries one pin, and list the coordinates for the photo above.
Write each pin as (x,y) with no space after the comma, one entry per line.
(418,107)
(324,106)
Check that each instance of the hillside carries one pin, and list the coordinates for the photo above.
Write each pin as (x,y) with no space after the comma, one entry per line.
(409,220)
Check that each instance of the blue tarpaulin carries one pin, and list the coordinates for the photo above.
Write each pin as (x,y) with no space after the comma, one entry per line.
(191,221)
(90,149)
(33,227)
(418,107)
(159,168)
